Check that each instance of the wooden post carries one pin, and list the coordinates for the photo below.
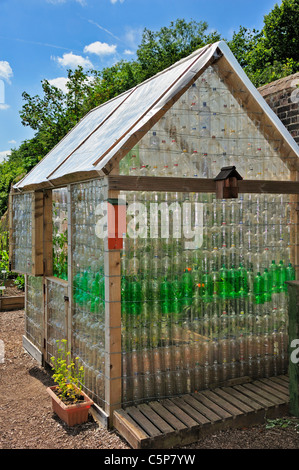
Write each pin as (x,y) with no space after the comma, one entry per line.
(48,234)
(293,332)
(37,234)
(294,199)
(10,221)
(69,330)
(113,351)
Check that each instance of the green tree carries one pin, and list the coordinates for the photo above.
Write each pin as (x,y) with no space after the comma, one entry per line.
(281,31)
(158,50)
(273,52)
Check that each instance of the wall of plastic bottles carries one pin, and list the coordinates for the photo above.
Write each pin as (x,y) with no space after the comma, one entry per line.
(193,318)
(206,129)
(34,319)
(22,232)
(88,320)
(56,316)
(60,240)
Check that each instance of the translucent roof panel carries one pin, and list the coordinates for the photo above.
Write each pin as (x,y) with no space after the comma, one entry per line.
(145,101)
(71,141)
(89,140)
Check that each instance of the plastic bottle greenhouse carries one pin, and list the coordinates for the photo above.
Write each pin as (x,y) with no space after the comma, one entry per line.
(161,285)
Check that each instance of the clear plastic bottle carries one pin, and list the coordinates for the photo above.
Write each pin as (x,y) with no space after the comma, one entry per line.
(205,116)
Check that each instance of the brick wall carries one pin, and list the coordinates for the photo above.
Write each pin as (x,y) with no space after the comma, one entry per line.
(283,98)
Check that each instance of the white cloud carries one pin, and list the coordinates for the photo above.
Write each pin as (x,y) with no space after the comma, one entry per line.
(73,60)
(4,106)
(5,70)
(115,1)
(100,48)
(59,82)
(133,37)
(12,142)
(129,52)
(4,154)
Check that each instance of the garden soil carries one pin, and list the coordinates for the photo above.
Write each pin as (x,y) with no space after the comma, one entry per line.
(27,420)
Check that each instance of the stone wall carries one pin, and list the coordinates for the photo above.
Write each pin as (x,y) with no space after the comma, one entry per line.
(283,98)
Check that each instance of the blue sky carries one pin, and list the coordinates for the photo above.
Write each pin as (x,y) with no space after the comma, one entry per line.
(41,39)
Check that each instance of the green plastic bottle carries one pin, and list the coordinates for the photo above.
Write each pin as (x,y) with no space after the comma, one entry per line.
(224,287)
(135,296)
(196,301)
(234,282)
(187,283)
(290,273)
(282,276)
(258,288)
(176,288)
(243,278)
(165,296)
(176,310)
(165,289)
(274,272)
(215,279)
(267,286)
(207,283)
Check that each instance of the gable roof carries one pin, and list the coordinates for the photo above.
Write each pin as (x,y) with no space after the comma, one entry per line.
(112,129)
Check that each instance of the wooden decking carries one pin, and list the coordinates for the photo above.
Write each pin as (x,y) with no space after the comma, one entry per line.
(182,420)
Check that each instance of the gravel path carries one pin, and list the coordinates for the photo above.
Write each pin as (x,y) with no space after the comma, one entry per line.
(27,421)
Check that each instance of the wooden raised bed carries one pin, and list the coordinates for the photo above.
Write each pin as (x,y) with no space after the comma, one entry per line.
(14,302)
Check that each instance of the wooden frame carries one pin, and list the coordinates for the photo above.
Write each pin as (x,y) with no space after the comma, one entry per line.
(198,185)
(113,343)
(41,217)
(293,332)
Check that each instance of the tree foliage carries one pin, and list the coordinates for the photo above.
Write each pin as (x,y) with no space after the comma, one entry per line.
(273,52)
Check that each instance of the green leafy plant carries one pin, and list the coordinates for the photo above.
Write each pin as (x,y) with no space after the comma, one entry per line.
(68,374)
(19,282)
(283,423)
(4,261)
(60,263)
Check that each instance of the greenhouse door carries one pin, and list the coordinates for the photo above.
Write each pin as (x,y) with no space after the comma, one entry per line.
(56,312)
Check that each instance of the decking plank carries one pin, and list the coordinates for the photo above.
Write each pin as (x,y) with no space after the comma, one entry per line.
(167,416)
(271,390)
(243,398)
(207,412)
(129,429)
(210,404)
(277,386)
(284,378)
(156,419)
(258,389)
(222,402)
(234,401)
(281,382)
(192,412)
(254,396)
(178,412)
(143,422)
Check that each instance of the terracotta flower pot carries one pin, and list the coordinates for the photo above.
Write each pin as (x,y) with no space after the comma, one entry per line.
(70,414)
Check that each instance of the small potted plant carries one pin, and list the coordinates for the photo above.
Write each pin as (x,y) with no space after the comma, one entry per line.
(69,401)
